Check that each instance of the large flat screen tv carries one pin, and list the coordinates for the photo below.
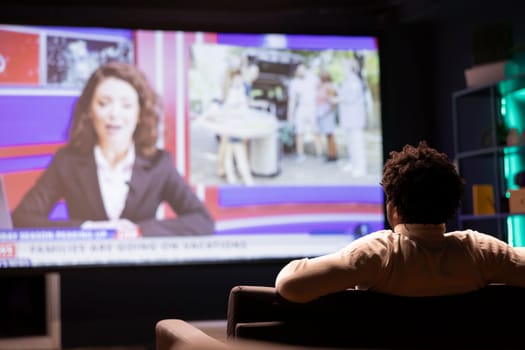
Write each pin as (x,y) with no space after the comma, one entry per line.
(292,180)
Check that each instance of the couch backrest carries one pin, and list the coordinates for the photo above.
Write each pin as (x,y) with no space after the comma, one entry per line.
(488,318)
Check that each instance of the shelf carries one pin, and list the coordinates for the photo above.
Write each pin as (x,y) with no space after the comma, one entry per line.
(491,151)
(505,86)
(486,159)
(472,217)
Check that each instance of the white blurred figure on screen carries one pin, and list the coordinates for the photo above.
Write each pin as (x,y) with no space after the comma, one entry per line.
(234,111)
(235,107)
(352,117)
(302,108)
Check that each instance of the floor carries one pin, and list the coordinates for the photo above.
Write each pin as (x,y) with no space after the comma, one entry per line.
(214,328)
(112,348)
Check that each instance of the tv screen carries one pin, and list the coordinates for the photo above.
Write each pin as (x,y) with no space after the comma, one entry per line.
(270,147)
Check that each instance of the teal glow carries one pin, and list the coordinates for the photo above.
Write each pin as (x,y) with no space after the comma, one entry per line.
(511,234)
(512,108)
(513,104)
(516,230)
(513,112)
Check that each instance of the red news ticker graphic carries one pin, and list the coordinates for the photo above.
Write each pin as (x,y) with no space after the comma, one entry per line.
(7,250)
(19,57)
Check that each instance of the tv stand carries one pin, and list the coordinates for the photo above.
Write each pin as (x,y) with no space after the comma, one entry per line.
(51,340)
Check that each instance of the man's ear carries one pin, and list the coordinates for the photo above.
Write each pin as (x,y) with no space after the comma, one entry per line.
(395,215)
(392,215)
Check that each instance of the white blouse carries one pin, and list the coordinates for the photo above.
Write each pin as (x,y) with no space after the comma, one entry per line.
(114,181)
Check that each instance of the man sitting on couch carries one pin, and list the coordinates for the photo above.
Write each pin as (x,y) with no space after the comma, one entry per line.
(417,257)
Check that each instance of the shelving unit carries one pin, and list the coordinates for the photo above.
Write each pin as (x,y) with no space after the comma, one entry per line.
(482,118)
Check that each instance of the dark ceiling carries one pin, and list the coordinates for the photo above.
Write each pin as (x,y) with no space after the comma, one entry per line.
(288,15)
(350,7)
(200,13)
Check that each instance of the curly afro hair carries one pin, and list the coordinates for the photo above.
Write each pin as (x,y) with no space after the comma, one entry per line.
(422,184)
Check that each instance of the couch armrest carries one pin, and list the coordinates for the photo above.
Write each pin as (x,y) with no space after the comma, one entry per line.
(175,334)
(251,303)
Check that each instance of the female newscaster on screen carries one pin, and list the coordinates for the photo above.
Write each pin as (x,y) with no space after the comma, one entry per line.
(111,173)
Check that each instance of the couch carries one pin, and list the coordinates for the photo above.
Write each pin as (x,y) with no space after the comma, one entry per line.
(489,318)
(177,334)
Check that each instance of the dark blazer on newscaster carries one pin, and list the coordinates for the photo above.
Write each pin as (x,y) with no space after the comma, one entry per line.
(72,176)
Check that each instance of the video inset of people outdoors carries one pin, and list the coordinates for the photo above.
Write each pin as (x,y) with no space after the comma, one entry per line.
(321,117)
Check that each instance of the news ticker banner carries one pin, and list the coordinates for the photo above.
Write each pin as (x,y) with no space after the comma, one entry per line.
(159,250)
(55,234)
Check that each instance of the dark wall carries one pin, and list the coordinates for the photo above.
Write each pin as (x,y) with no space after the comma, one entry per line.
(120,306)
(407,84)
(22,305)
(454,27)
(422,63)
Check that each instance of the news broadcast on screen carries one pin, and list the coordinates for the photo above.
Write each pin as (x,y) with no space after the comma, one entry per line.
(156,147)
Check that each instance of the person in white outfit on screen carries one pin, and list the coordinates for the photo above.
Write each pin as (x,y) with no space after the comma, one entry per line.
(235,107)
(302,109)
(352,117)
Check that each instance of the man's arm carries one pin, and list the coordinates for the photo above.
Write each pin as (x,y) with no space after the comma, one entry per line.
(359,264)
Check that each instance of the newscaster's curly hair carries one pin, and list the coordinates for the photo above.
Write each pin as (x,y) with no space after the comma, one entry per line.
(422,184)
(83,137)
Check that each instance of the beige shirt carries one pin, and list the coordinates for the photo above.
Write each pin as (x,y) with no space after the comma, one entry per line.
(412,260)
